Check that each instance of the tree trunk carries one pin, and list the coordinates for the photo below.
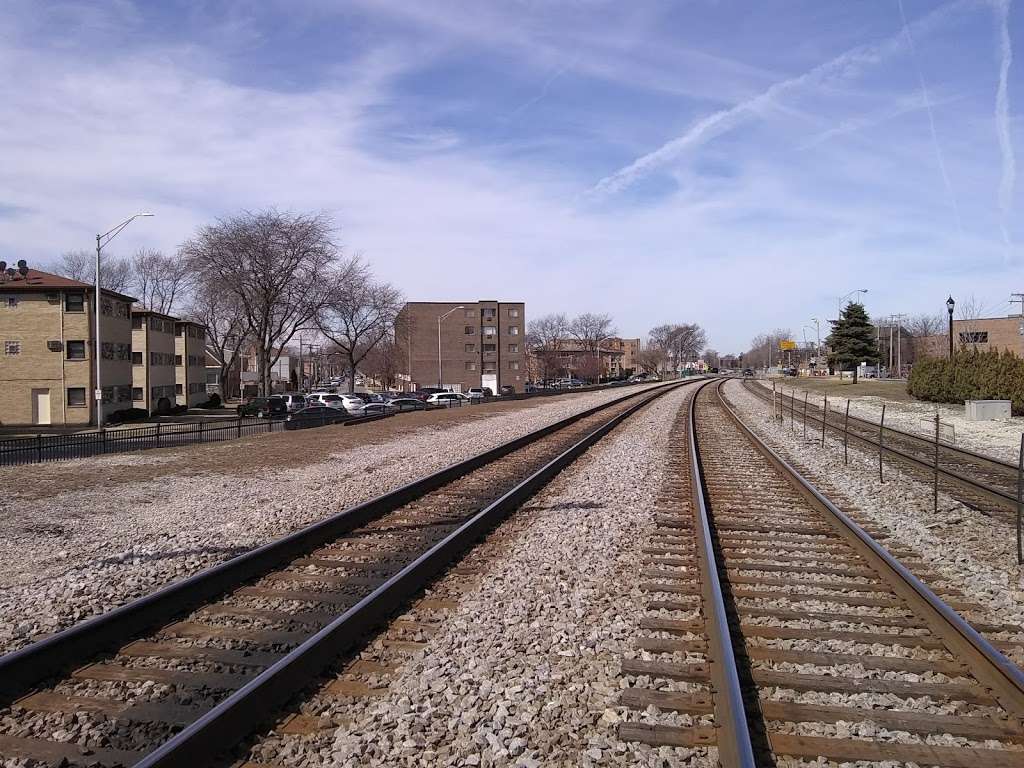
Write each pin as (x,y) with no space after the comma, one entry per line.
(352,375)
(855,374)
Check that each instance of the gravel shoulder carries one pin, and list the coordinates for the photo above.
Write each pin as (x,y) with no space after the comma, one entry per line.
(524,670)
(83,537)
(999,438)
(967,549)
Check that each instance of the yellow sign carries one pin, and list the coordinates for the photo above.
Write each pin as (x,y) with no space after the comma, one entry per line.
(787,344)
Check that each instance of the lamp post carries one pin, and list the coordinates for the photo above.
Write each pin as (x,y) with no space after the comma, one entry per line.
(949,307)
(845,297)
(101,241)
(817,328)
(439,319)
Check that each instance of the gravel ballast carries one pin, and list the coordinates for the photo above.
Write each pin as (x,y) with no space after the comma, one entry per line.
(77,553)
(524,671)
(965,548)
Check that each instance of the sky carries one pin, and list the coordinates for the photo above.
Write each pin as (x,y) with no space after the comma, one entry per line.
(735,163)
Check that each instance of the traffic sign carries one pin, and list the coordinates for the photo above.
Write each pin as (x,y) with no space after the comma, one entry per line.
(787,344)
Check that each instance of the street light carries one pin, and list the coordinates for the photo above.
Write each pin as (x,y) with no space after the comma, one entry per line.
(845,297)
(439,319)
(949,306)
(101,241)
(817,328)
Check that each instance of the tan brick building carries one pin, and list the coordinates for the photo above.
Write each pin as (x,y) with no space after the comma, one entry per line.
(982,334)
(483,344)
(47,363)
(624,363)
(153,350)
(189,363)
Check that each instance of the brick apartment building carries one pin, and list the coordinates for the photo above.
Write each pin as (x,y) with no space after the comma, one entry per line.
(483,344)
(981,334)
(189,363)
(153,350)
(47,363)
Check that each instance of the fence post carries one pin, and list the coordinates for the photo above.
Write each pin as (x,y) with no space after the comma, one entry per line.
(158,434)
(1020,497)
(103,438)
(846,433)
(239,425)
(201,426)
(774,414)
(935,488)
(792,410)
(824,419)
(881,426)
(39,448)
(805,413)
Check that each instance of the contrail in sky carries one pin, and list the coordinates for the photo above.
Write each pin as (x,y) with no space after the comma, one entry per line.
(719,122)
(1009,176)
(931,120)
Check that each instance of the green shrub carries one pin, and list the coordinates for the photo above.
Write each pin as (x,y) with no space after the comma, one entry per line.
(970,375)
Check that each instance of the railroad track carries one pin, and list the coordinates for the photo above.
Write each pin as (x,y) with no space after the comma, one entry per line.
(779,631)
(182,675)
(982,482)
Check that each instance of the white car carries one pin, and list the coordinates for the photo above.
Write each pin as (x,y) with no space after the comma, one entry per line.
(479,393)
(326,398)
(352,404)
(449,399)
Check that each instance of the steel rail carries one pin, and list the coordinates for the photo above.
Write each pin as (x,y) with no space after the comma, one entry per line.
(25,668)
(242,712)
(735,749)
(987,663)
(992,492)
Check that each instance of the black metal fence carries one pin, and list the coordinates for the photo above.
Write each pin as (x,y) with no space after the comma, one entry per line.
(80,445)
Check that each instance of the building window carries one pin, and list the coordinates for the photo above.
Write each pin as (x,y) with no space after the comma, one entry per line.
(489,368)
(76,396)
(490,330)
(177,361)
(513,348)
(513,313)
(469,330)
(974,337)
(74,302)
(471,366)
(488,314)
(76,350)
(12,302)
(490,347)
(178,389)
(136,358)
(12,347)
(137,322)
(513,330)
(513,365)
(471,347)
(137,393)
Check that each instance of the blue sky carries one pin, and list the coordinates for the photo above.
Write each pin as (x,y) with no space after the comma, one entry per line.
(737,164)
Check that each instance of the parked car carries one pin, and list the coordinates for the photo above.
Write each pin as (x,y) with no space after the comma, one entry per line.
(352,403)
(325,398)
(314,416)
(448,399)
(478,393)
(255,406)
(293,401)
(401,404)
(748,371)
(507,389)
(374,409)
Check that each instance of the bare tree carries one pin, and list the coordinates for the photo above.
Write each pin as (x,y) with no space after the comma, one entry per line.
(711,357)
(545,339)
(590,329)
(651,359)
(680,342)
(115,274)
(926,325)
(359,312)
(273,264)
(385,361)
(160,282)
(226,329)
(764,348)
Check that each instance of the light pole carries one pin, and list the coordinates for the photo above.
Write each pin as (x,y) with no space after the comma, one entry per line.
(817,328)
(439,319)
(949,307)
(845,297)
(101,241)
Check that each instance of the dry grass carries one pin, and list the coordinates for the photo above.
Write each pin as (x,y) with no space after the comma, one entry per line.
(835,387)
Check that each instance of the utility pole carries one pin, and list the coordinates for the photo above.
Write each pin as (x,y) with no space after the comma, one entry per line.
(899,344)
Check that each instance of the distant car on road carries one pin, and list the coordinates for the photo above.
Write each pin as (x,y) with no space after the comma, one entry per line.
(262,407)
(314,416)
(748,371)
(448,399)
(293,401)
(401,404)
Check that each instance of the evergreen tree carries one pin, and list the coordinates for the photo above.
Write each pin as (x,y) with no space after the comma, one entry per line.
(852,339)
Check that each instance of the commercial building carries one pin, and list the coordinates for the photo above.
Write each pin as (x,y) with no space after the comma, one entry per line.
(981,334)
(152,351)
(189,363)
(47,360)
(459,345)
